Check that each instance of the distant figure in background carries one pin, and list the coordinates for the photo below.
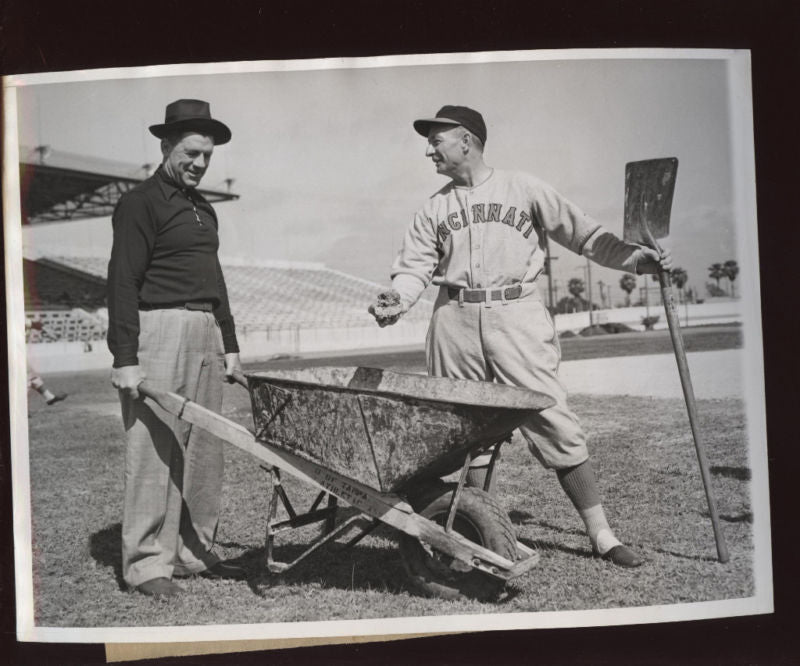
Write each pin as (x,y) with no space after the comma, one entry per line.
(169,322)
(35,382)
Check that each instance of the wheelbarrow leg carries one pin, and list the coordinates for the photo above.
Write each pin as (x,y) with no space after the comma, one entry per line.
(330,521)
(490,471)
(481,476)
(329,532)
(365,531)
(273,511)
(451,513)
(279,567)
(463,480)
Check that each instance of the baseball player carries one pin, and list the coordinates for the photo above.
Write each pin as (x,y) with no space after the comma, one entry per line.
(36,383)
(481,240)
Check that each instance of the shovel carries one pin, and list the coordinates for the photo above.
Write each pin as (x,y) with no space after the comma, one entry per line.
(649,186)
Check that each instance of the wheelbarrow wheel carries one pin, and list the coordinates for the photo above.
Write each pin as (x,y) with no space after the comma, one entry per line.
(480,519)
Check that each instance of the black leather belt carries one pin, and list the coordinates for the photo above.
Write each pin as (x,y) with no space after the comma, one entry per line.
(482,295)
(203,306)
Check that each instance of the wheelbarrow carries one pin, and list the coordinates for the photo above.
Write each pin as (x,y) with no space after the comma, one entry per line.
(381,441)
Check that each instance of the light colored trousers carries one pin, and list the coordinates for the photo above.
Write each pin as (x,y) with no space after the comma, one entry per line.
(173,471)
(514,344)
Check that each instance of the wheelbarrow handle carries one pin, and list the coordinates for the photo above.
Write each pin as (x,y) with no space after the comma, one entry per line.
(170,402)
(239,378)
(160,396)
(148,391)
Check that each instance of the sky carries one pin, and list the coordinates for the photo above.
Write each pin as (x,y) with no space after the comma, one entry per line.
(330,170)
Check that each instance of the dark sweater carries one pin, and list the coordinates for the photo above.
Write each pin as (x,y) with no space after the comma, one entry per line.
(164,253)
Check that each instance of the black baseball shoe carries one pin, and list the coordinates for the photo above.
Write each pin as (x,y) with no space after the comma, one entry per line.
(622,556)
(57,398)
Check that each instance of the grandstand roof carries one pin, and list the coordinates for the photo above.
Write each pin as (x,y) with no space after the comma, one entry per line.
(56,185)
(284,295)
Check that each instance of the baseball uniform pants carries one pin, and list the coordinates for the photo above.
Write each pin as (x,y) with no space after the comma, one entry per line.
(513,343)
(173,471)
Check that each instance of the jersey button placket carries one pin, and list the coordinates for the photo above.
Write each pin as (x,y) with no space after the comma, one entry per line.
(476,254)
(474,247)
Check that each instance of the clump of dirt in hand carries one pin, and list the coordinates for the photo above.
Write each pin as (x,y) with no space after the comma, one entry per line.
(387,307)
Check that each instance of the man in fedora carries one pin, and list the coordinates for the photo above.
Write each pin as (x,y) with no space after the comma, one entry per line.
(170,324)
(480,238)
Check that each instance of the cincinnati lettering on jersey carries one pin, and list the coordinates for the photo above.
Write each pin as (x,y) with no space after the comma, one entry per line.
(483,214)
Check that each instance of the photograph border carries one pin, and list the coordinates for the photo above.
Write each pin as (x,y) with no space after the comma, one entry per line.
(744,187)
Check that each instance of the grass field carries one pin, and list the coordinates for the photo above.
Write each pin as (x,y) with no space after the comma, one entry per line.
(641,449)
(696,339)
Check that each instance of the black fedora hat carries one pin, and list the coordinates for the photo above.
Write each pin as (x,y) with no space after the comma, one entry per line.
(185,115)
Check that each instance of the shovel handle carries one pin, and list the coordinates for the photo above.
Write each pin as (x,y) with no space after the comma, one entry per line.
(668,298)
(653,242)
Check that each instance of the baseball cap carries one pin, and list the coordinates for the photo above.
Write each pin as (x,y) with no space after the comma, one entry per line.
(454,115)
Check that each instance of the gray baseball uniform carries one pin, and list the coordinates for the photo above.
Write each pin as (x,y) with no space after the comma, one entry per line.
(491,237)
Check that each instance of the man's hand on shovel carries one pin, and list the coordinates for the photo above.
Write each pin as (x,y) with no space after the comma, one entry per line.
(652,261)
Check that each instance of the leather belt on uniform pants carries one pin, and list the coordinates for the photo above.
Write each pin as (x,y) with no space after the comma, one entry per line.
(485,295)
(203,306)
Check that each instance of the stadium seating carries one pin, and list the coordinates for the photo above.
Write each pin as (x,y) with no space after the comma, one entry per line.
(274,297)
(74,325)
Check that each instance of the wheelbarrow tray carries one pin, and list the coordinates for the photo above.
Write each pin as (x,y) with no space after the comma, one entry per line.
(387,430)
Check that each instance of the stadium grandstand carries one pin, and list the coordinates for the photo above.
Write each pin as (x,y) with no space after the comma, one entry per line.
(62,303)
(61,186)
(279,307)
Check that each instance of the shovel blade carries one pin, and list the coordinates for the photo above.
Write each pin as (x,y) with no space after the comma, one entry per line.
(649,186)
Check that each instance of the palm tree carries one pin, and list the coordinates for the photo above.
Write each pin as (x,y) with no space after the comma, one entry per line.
(731,270)
(679,277)
(576,288)
(716,272)
(627,283)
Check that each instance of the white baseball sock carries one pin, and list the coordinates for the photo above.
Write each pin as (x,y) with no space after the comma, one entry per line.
(600,533)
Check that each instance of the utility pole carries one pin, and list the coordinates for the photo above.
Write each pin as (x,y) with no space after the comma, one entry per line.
(686,306)
(548,269)
(589,283)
